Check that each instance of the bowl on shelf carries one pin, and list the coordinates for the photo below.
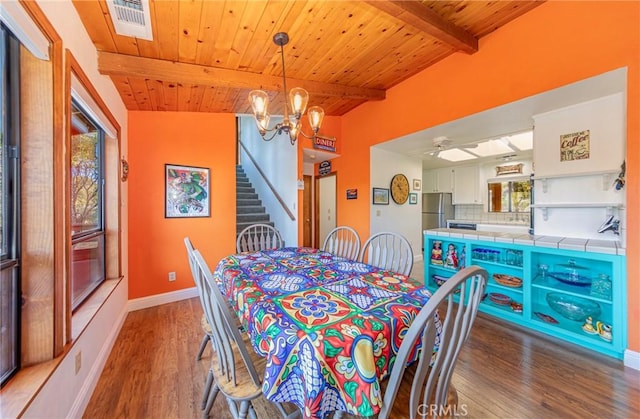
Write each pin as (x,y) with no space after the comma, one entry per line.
(499,299)
(508,280)
(571,273)
(572,307)
(570,278)
(439,279)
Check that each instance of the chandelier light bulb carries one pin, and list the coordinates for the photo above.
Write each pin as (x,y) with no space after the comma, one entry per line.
(316,115)
(299,99)
(263,124)
(293,132)
(259,101)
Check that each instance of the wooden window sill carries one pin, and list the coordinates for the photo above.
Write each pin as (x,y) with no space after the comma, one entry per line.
(23,388)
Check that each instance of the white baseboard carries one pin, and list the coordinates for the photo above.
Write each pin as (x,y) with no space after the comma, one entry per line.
(632,359)
(86,391)
(159,299)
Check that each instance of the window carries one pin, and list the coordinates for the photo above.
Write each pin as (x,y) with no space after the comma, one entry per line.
(87,205)
(510,196)
(9,210)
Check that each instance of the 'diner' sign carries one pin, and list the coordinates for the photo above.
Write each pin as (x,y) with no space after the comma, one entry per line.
(324,143)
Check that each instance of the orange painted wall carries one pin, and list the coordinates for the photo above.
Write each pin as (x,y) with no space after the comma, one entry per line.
(553,45)
(156,244)
(331,127)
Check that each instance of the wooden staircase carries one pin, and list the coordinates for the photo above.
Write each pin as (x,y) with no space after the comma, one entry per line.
(249,209)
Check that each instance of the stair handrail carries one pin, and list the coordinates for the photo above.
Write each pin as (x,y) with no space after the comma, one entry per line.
(273,189)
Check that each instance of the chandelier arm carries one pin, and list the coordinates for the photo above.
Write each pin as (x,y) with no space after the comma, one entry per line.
(275,132)
(311,137)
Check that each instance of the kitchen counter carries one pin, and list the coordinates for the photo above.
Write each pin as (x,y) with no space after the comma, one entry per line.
(568,243)
(516,227)
(541,272)
(490,223)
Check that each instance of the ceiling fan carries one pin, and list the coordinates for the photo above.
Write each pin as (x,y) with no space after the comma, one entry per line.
(443,143)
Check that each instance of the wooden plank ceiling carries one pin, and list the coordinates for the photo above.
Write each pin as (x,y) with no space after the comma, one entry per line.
(206,55)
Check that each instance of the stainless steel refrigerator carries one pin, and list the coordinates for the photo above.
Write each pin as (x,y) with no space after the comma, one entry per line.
(436,210)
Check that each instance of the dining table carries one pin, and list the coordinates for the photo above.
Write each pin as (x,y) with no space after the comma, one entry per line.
(329,327)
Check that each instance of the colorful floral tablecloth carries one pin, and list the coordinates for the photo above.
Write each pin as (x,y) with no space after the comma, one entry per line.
(329,327)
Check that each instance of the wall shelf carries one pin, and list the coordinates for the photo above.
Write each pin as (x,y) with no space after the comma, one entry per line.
(535,288)
(607,178)
(610,206)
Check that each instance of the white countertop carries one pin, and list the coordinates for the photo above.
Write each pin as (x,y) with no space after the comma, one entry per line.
(486,222)
(569,243)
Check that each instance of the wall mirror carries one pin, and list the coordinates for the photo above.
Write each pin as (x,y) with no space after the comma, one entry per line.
(509,195)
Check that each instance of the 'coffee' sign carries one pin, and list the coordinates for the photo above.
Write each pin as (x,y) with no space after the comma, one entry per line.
(324,143)
(574,146)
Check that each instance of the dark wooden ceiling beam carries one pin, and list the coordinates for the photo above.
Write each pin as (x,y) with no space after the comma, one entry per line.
(421,17)
(113,64)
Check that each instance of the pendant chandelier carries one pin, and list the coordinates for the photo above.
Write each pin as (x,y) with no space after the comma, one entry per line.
(298,98)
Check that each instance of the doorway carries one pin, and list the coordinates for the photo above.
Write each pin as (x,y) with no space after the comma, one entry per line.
(325,207)
(307,234)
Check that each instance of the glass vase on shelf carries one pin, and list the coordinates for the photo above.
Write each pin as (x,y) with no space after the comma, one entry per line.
(542,271)
(601,287)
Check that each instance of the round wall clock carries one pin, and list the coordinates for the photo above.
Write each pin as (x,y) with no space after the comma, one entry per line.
(399,188)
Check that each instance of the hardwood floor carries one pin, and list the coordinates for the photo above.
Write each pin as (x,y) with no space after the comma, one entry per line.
(503,372)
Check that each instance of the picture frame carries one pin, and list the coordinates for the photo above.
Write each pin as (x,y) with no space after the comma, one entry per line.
(417,184)
(575,146)
(509,169)
(352,194)
(380,196)
(186,191)
(413,198)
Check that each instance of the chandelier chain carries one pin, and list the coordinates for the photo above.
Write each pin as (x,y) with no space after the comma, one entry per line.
(284,83)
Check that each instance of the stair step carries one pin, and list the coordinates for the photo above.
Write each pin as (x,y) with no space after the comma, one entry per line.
(242,225)
(254,218)
(250,209)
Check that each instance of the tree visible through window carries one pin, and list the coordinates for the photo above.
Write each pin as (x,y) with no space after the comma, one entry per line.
(509,196)
(87,183)
(85,176)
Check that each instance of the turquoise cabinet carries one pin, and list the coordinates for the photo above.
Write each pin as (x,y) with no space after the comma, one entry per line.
(544,289)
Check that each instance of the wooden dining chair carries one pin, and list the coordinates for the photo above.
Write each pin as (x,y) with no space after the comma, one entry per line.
(387,250)
(343,241)
(233,366)
(206,328)
(429,385)
(204,323)
(258,237)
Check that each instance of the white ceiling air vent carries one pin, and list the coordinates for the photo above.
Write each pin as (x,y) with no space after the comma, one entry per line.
(131,18)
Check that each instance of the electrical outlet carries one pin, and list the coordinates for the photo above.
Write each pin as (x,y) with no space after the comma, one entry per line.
(172,276)
(78,362)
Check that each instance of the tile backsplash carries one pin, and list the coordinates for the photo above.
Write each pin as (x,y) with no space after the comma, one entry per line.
(477,213)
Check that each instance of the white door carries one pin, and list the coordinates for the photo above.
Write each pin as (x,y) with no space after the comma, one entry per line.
(327,206)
